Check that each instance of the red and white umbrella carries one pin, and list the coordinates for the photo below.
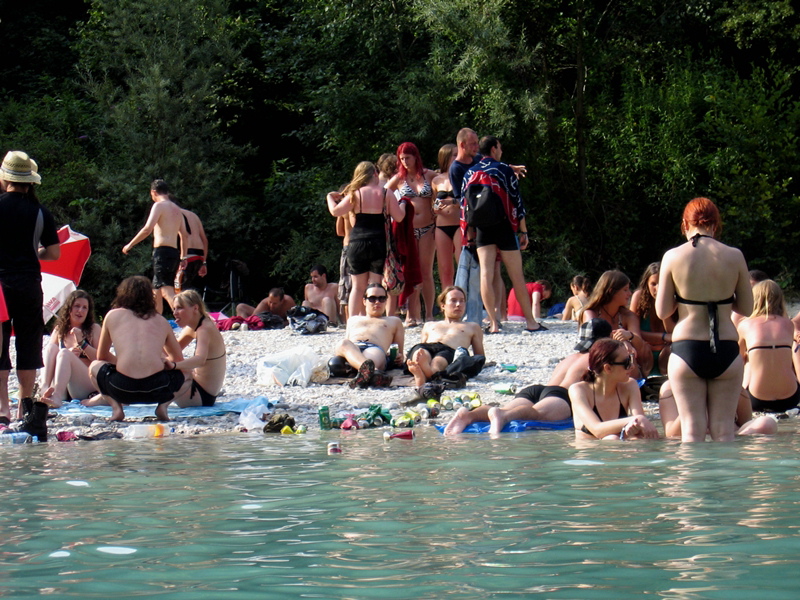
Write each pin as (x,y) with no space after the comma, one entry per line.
(60,277)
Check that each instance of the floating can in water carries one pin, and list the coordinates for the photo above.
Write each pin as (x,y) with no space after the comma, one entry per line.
(403,435)
(324,417)
(334,448)
(300,429)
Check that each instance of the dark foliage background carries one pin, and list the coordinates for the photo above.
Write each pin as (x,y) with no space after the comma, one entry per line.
(254,109)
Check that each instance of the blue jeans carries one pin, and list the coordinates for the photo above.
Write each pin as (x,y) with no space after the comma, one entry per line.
(468,277)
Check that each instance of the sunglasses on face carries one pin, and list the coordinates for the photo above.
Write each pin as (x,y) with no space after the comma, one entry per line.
(625,363)
(375,299)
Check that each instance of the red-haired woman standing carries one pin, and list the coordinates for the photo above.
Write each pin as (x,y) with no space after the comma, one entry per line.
(414,182)
(704,280)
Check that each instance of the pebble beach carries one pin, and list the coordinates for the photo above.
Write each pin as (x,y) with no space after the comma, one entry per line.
(535,356)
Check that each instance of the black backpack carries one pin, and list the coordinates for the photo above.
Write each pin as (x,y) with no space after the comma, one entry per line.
(484,206)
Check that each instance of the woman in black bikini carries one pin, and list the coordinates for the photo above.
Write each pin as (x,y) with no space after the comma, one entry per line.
(765,340)
(366,199)
(448,217)
(413,181)
(208,363)
(703,280)
(607,403)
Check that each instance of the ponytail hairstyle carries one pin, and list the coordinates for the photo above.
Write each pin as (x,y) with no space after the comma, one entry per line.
(601,354)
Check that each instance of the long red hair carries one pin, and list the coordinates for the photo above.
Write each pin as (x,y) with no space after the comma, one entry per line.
(704,213)
(409,148)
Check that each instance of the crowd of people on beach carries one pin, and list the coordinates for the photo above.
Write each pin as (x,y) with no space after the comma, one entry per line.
(691,334)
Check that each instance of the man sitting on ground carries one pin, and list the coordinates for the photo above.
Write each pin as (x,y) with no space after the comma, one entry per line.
(277,303)
(441,339)
(136,374)
(321,295)
(367,340)
(539,402)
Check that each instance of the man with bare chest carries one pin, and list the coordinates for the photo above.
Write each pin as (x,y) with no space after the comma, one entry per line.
(368,338)
(441,339)
(165,222)
(321,295)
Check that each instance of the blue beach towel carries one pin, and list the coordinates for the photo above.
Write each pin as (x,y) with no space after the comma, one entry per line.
(516,426)
(237,405)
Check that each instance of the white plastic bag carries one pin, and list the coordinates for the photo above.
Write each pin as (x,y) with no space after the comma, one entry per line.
(250,417)
(292,367)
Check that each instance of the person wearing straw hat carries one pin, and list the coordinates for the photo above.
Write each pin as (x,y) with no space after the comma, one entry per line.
(27,235)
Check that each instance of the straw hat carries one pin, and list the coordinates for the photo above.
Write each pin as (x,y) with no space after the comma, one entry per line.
(18,167)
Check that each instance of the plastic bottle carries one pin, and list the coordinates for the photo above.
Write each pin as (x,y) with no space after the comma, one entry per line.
(17,437)
(136,432)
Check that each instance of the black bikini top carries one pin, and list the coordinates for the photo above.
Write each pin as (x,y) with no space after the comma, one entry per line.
(713,322)
(443,194)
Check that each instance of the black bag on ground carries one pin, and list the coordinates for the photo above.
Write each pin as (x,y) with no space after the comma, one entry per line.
(271,320)
(305,320)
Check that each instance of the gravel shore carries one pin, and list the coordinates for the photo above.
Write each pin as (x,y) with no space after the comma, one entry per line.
(534,354)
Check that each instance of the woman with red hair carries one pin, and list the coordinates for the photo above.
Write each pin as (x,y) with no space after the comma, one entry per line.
(414,182)
(607,403)
(704,280)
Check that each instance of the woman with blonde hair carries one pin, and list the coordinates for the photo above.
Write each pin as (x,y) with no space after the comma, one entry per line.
(448,217)
(368,200)
(609,301)
(208,363)
(703,279)
(765,341)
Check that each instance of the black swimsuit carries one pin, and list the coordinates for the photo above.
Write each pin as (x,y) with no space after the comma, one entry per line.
(622,412)
(708,360)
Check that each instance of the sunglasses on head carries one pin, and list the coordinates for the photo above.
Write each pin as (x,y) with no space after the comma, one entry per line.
(375,299)
(625,363)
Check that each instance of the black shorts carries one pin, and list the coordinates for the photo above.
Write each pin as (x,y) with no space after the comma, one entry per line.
(166,261)
(205,397)
(24,300)
(537,393)
(158,388)
(501,235)
(366,256)
(435,349)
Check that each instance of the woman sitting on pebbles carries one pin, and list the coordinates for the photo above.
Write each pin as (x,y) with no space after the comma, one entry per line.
(607,403)
(654,331)
(72,348)
(208,363)
(609,301)
(765,340)
(580,286)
